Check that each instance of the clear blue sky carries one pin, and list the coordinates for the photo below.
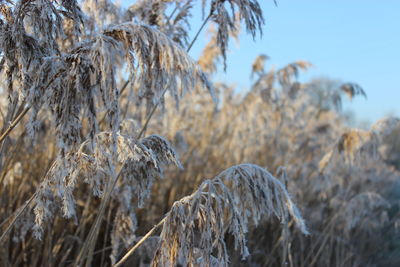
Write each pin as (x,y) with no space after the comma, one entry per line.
(350,40)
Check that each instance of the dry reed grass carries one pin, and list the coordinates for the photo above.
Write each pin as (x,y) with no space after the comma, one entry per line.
(81,181)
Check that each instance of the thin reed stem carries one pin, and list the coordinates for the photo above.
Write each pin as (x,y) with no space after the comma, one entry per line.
(198,32)
(142,131)
(14,123)
(22,209)
(141,241)
(88,246)
(123,88)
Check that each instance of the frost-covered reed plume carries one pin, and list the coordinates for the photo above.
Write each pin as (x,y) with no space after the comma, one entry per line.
(139,162)
(195,228)
(366,211)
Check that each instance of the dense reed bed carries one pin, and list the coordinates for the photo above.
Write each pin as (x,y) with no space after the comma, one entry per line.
(117,148)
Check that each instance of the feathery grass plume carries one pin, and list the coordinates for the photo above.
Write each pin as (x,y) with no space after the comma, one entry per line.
(154,12)
(211,53)
(179,26)
(29,33)
(135,184)
(44,204)
(157,63)
(357,144)
(123,231)
(100,13)
(32,58)
(366,211)
(265,86)
(329,93)
(195,228)
(150,12)
(258,65)
(387,130)
(290,72)
(325,94)
(249,11)
(386,125)
(286,77)
(162,149)
(23,226)
(352,89)
(139,163)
